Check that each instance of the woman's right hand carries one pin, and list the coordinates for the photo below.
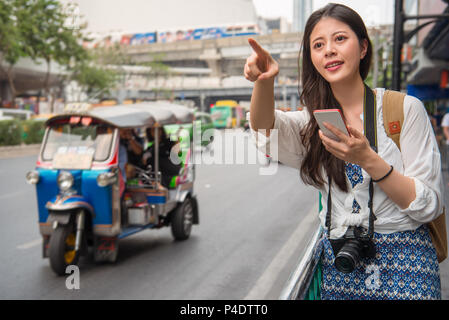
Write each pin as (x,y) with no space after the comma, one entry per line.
(260,65)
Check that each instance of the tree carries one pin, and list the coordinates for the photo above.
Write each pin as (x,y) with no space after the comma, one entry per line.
(95,81)
(101,71)
(52,39)
(12,44)
(157,69)
(38,29)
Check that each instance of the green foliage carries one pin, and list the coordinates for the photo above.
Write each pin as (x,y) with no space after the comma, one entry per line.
(49,36)
(157,66)
(10,132)
(41,30)
(95,80)
(32,131)
(100,71)
(113,55)
(37,29)
(12,44)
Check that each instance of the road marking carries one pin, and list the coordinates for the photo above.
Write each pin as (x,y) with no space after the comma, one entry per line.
(271,273)
(12,194)
(30,244)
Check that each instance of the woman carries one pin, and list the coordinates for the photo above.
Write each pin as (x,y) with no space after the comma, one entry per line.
(336,56)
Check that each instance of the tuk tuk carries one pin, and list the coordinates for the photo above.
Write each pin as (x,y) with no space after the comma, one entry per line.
(82,200)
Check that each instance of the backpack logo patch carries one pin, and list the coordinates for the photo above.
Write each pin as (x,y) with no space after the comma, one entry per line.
(395,127)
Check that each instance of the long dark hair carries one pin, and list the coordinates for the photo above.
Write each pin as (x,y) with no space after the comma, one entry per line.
(317,94)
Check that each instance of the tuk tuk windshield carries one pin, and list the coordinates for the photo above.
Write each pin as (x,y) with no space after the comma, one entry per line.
(78,139)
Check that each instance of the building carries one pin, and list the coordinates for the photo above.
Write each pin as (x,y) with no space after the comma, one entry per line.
(276,25)
(302,9)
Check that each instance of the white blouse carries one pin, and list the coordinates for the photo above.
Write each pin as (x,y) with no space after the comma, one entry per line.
(419,159)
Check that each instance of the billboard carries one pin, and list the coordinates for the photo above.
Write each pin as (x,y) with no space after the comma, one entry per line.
(143,38)
(179,35)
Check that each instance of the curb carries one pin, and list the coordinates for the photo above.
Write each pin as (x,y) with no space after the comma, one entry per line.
(19,151)
(19,147)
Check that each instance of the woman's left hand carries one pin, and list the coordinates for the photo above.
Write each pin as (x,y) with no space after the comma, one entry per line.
(353,149)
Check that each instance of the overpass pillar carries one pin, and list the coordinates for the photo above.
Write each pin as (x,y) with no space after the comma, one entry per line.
(213,60)
(202,102)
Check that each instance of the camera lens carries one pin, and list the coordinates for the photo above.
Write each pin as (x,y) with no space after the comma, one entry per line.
(349,255)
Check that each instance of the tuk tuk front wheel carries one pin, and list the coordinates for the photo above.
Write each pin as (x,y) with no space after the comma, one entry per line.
(62,249)
(182,220)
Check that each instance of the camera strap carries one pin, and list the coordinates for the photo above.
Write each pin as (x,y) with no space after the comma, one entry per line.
(370,129)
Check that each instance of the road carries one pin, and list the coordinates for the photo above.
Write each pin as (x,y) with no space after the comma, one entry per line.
(252,230)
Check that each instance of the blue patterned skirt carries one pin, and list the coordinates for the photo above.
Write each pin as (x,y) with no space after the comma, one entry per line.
(405,268)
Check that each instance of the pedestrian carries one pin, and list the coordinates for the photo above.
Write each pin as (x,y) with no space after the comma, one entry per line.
(398,260)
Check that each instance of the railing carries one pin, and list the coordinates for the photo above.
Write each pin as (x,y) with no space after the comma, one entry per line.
(304,282)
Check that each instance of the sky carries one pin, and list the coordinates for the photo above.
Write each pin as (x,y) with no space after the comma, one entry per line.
(134,16)
(373,12)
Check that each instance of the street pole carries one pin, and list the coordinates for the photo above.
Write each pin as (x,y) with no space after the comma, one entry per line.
(398,39)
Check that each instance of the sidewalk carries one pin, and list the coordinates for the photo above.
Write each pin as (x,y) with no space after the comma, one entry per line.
(23,150)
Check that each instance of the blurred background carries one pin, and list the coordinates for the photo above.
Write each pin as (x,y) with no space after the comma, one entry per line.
(191,52)
(254,229)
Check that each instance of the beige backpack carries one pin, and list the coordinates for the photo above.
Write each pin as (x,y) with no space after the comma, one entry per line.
(393,120)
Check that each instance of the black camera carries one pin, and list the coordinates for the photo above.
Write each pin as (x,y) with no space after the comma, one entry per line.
(355,244)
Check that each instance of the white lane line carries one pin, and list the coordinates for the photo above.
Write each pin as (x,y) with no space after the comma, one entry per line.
(270,275)
(12,194)
(30,244)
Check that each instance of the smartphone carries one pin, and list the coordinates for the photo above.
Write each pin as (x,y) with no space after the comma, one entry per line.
(332,116)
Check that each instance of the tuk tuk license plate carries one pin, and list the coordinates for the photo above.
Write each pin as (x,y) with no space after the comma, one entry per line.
(71,161)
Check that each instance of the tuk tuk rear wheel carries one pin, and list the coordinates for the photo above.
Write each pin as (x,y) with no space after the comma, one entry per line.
(62,249)
(182,220)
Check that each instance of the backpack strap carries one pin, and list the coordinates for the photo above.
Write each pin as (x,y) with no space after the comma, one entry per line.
(393,114)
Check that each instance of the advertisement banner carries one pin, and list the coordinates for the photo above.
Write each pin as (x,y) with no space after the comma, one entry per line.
(143,38)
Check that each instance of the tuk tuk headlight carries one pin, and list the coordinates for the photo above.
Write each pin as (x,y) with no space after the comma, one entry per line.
(106,179)
(65,180)
(32,177)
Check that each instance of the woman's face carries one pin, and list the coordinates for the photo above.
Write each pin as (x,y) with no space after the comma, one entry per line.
(336,51)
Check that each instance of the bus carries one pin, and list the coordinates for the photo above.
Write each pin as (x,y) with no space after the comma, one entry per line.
(226,114)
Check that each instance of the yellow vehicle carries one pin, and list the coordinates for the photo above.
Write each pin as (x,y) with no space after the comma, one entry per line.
(226,114)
